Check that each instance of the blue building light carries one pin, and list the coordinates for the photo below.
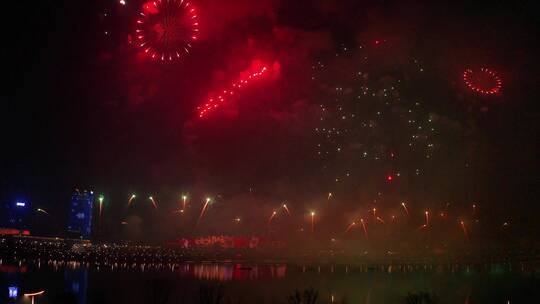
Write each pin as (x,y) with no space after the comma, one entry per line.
(13,292)
(80,214)
(15,214)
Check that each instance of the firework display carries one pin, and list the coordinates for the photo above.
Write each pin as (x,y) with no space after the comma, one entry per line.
(271,217)
(483,81)
(184,201)
(411,229)
(42,211)
(365,113)
(364,228)
(287,209)
(154,204)
(312,214)
(166,29)
(131,198)
(203,210)
(314,152)
(372,132)
(100,199)
(404,205)
(350,227)
(222,97)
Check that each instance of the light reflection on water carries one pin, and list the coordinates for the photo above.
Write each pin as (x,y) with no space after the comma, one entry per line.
(271,283)
(228,272)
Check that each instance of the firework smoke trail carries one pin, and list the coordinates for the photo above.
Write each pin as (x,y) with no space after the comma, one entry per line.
(364,227)
(184,199)
(154,204)
(287,209)
(406,210)
(350,227)
(101,198)
(42,211)
(203,211)
(271,217)
(312,221)
(133,196)
(462,223)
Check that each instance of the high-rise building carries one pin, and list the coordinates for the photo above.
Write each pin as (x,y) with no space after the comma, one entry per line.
(80,214)
(15,215)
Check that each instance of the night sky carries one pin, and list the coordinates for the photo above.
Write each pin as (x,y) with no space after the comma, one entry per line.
(83,107)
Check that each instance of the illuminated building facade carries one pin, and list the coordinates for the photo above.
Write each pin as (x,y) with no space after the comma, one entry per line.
(16,215)
(80,214)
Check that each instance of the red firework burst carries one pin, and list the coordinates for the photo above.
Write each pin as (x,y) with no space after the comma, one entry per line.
(483,81)
(217,101)
(166,29)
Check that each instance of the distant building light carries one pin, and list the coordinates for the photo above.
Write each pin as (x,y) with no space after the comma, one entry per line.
(20,204)
(13,292)
(75,287)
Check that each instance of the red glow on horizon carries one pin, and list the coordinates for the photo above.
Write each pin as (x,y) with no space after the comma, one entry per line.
(10,231)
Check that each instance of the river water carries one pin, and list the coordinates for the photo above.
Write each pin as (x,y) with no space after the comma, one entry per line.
(267,283)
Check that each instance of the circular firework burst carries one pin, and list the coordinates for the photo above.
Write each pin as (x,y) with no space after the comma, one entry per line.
(483,81)
(166,29)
